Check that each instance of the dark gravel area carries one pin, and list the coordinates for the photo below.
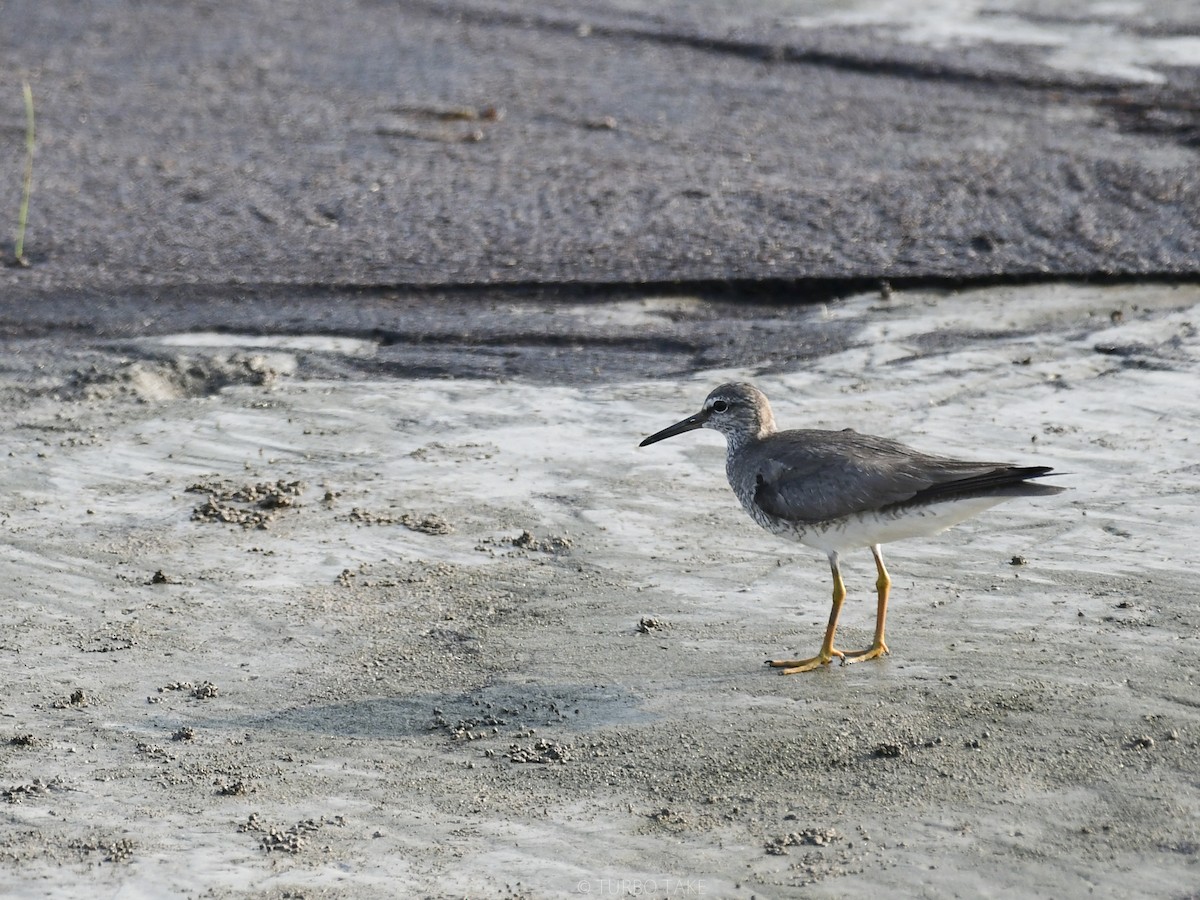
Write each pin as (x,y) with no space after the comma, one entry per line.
(526,143)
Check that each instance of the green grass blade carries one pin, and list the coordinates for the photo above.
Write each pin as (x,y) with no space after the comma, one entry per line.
(23,215)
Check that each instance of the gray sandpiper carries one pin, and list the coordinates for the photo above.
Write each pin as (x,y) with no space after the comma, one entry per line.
(840,490)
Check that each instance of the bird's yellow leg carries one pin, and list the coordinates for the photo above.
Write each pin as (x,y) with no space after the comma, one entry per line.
(883,586)
(828,653)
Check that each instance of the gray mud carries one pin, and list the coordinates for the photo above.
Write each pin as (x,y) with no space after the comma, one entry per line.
(553,685)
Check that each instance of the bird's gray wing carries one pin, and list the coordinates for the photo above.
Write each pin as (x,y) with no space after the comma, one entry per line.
(844,473)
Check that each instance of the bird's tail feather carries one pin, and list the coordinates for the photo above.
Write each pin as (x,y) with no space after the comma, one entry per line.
(1007,481)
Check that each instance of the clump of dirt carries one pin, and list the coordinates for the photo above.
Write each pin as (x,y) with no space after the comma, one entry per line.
(553,544)
(117,851)
(542,751)
(248,505)
(205,690)
(526,541)
(437,451)
(366,517)
(154,751)
(671,820)
(161,380)
(24,740)
(78,699)
(113,637)
(36,788)
(430,523)
(293,839)
(468,729)
(809,837)
(647,624)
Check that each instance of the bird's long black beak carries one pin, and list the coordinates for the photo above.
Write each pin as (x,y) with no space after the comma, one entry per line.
(691,423)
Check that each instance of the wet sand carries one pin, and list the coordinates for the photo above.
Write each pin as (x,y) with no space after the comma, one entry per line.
(269,634)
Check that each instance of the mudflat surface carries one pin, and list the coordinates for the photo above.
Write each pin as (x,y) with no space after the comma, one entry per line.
(537,141)
(273,629)
(333,570)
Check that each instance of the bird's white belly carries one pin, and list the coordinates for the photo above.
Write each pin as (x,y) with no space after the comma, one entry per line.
(865,529)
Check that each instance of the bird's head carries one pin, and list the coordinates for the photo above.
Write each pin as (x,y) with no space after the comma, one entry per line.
(738,410)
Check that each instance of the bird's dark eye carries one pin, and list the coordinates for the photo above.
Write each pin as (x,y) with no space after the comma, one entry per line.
(719,406)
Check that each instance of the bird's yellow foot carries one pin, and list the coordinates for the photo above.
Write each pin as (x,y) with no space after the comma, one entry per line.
(873,652)
(795,666)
